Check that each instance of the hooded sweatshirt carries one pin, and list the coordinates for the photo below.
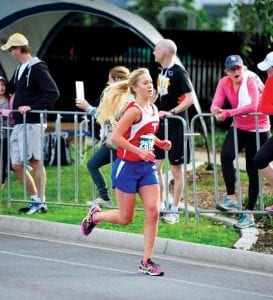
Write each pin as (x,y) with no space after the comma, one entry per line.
(35,88)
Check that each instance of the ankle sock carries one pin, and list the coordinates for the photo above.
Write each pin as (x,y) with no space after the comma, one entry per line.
(174,208)
(162,206)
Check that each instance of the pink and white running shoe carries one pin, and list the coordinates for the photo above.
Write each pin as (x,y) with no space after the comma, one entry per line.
(88,223)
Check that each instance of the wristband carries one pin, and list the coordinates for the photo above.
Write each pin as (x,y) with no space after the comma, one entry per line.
(91,110)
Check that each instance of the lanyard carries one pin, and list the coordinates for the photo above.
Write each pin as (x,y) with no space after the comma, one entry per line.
(163,81)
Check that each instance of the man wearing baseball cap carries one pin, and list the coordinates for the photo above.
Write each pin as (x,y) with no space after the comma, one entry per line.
(267,63)
(266,104)
(33,89)
(264,156)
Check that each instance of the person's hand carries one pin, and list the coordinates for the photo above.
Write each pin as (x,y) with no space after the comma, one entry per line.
(163,114)
(217,112)
(165,145)
(147,155)
(82,104)
(218,116)
(24,109)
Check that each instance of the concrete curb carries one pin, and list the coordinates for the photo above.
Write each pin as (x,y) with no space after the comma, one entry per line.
(230,257)
(249,236)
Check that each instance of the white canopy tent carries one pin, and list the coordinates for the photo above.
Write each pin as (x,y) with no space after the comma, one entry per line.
(41,20)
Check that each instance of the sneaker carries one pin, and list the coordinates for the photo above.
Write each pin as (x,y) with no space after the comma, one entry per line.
(227,205)
(100,201)
(23,210)
(244,222)
(269,209)
(35,207)
(87,223)
(171,218)
(162,214)
(150,268)
(43,209)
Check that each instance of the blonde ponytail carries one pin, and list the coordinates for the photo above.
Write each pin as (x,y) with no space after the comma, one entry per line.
(113,102)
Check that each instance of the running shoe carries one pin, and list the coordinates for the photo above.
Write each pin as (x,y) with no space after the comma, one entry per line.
(43,209)
(88,224)
(161,215)
(35,207)
(269,209)
(24,210)
(171,218)
(227,205)
(100,201)
(244,222)
(150,268)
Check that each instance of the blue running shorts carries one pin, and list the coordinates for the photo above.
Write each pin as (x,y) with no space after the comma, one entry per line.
(129,176)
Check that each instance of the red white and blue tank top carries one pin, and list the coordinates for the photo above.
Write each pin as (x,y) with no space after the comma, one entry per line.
(148,124)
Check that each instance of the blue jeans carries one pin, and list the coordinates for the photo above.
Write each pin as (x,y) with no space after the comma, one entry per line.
(100,158)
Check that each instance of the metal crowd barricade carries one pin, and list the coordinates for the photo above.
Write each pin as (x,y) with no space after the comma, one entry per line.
(197,209)
(78,148)
(78,127)
(78,132)
(1,155)
(187,135)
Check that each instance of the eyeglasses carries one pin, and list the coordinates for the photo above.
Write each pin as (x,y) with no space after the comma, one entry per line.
(12,48)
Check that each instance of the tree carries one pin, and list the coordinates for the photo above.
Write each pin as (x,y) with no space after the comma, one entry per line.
(150,9)
(254,19)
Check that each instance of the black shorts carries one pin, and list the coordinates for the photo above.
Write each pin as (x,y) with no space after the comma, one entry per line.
(176,153)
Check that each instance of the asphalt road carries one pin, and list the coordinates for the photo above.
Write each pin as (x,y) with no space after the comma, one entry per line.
(40,267)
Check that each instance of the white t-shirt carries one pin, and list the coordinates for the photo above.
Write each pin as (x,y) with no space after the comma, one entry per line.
(22,69)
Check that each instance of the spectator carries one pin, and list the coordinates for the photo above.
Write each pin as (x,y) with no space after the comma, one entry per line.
(242,88)
(34,88)
(134,169)
(102,157)
(4,110)
(174,98)
(264,156)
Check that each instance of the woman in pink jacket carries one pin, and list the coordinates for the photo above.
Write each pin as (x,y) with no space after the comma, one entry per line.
(242,89)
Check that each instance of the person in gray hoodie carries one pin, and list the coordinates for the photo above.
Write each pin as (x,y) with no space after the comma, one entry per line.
(33,89)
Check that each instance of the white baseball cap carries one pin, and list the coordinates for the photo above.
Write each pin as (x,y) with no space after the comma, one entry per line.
(15,40)
(266,63)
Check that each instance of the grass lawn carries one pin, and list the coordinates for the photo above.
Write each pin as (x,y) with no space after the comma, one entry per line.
(208,232)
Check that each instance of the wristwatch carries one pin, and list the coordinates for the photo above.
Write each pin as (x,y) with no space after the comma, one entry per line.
(173,111)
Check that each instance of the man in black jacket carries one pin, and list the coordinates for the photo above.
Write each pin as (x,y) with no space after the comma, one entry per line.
(33,89)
